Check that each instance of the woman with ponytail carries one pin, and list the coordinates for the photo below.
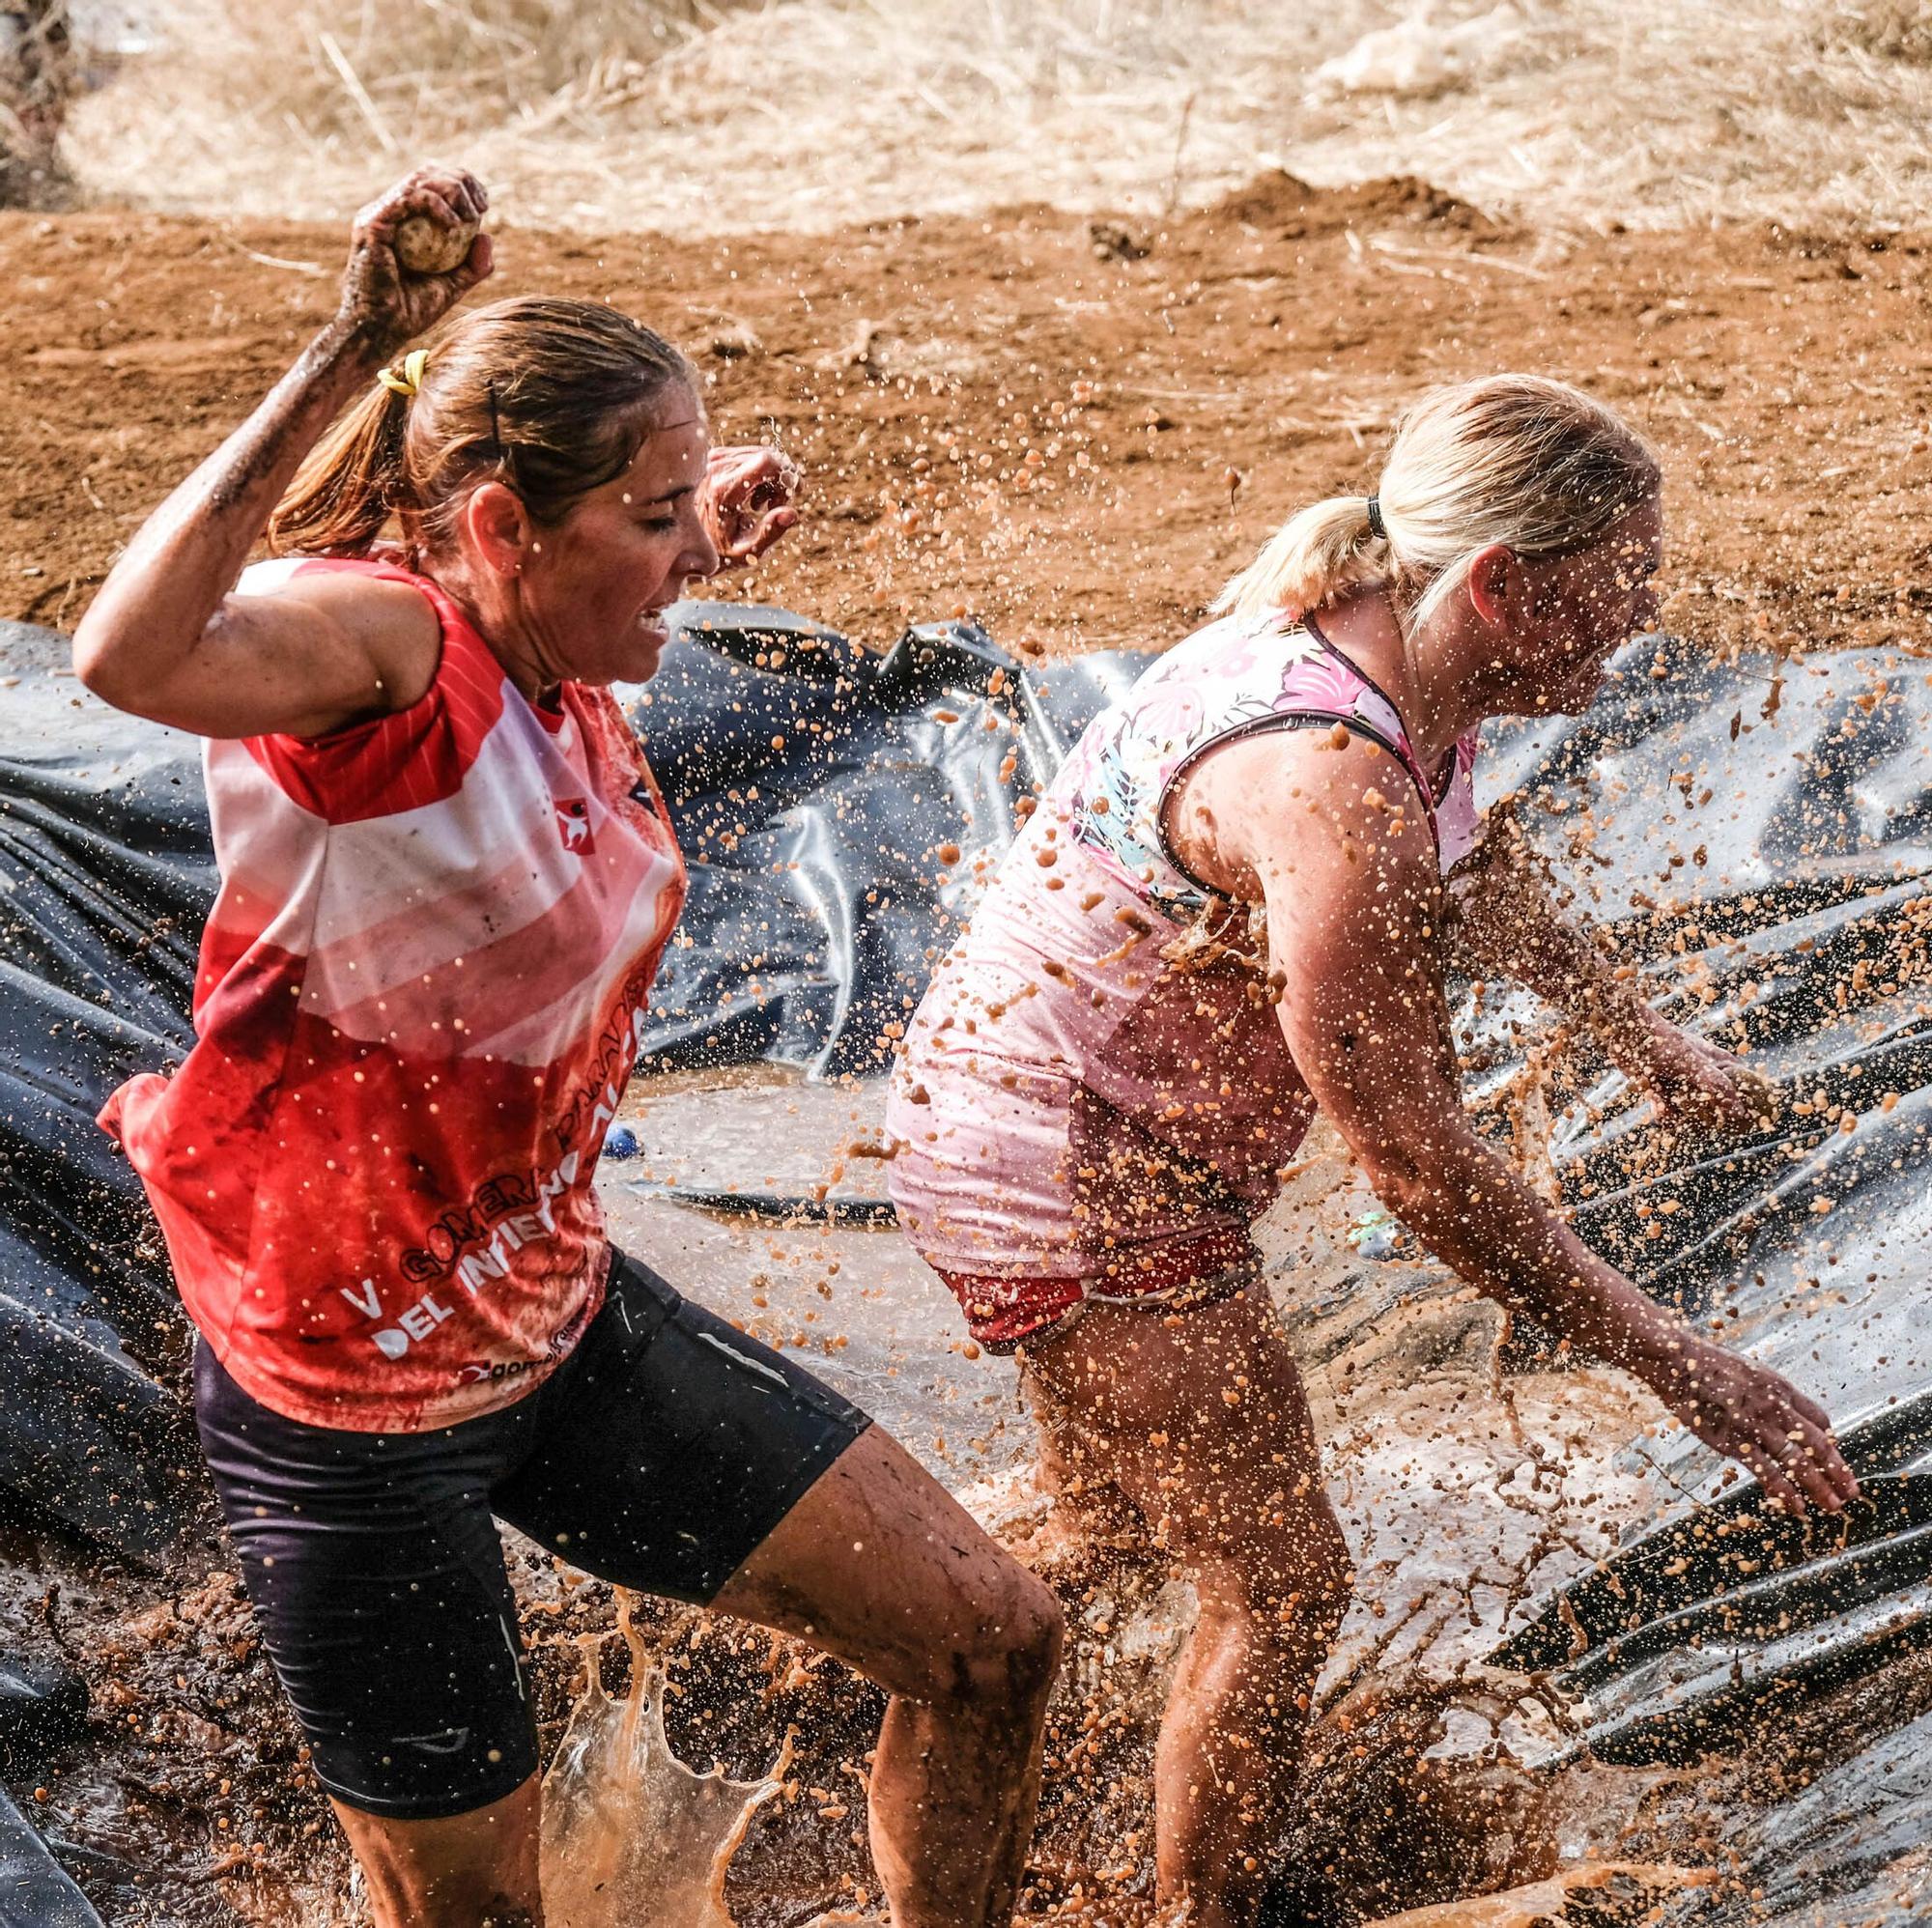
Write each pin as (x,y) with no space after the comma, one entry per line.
(1230,910)
(447,880)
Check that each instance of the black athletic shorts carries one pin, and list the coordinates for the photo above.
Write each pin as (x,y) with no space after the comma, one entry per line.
(657,1455)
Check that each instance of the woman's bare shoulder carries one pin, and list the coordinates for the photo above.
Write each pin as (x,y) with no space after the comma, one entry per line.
(391,623)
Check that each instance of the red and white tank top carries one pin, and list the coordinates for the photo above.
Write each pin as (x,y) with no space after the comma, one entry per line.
(419,1001)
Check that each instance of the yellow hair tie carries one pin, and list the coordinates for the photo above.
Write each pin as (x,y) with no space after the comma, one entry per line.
(409,380)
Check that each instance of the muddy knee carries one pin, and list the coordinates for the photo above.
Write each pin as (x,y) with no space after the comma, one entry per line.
(1010,1661)
(1042,1634)
(1027,1640)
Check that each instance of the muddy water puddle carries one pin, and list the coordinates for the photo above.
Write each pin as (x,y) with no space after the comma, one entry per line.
(1464,1490)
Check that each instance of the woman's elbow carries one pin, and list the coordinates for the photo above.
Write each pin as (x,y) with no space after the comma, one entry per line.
(112,659)
(99,659)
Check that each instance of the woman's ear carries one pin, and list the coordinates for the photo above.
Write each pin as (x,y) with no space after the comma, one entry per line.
(497,527)
(1497,587)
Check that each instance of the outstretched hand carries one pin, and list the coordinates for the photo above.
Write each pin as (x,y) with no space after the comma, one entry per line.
(750,492)
(382,299)
(1755,1416)
(1697,1082)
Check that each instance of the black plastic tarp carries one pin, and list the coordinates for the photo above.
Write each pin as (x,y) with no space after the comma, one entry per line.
(1757,833)
(1770,871)
(35,1890)
(835,805)
(105,876)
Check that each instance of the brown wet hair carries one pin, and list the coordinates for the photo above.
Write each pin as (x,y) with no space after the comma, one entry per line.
(552,397)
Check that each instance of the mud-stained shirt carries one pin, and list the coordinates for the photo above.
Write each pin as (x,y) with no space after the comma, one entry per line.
(1081,1094)
(419,999)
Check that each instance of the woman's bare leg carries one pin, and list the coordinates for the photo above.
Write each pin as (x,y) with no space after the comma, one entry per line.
(476,1870)
(880,1565)
(1200,1420)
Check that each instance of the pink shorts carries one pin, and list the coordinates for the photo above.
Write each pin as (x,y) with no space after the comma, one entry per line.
(1004,1314)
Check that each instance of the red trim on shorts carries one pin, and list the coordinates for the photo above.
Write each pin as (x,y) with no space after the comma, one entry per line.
(1004,1314)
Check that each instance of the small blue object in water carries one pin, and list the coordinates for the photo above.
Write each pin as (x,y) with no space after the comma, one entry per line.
(1376,1235)
(620,1142)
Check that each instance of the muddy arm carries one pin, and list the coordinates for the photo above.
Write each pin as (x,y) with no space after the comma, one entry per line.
(1354,903)
(1501,914)
(165,639)
(1501,911)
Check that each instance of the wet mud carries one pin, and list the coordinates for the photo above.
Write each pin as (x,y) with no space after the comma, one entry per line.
(1475,1472)
(629,1832)
(1464,1490)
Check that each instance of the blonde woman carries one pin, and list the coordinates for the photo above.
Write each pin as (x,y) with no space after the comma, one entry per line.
(1230,911)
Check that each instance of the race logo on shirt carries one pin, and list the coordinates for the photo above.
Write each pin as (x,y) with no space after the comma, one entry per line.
(573,825)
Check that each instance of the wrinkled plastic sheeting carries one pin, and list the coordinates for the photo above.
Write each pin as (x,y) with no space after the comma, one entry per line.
(1798,927)
(812,782)
(1788,916)
(1760,844)
(815,785)
(35,1892)
(42,1708)
(1849,1848)
(105,878)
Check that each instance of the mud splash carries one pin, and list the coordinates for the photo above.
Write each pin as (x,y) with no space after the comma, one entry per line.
(1601,1896)
(1463,1490)
(630,1834)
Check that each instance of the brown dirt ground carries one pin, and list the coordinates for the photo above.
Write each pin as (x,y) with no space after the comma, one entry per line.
(932,375)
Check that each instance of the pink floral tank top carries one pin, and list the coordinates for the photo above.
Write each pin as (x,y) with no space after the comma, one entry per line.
(1076,1096)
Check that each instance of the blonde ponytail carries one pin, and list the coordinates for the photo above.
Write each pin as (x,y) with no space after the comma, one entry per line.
(1515,459)
(1318,555)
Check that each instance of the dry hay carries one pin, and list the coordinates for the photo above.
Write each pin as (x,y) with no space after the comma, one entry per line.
(706,115)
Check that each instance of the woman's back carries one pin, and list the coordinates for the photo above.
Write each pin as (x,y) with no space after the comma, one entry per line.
(1097,1065)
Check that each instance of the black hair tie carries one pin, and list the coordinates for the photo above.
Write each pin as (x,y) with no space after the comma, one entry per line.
(1376,528)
